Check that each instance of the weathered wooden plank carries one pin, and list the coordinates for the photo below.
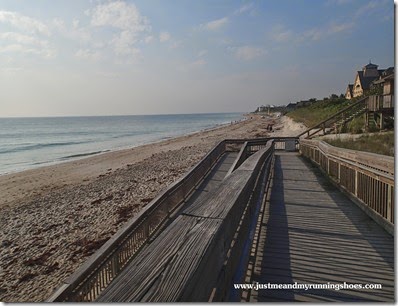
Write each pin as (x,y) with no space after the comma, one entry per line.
(308,237)
(184,262)
(233,187)
(147,274)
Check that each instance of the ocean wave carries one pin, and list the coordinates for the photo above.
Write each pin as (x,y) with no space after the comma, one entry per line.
(37,146)
(83,154)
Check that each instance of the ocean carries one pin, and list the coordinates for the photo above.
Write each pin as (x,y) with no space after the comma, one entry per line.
(27,143)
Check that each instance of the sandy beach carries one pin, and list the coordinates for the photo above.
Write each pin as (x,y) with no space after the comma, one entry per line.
(53,218)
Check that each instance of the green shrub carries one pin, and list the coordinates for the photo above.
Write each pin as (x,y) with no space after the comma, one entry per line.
(320,110)
(379,143)
(357,125)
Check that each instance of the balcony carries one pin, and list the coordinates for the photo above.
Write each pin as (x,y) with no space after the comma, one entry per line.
(380,103)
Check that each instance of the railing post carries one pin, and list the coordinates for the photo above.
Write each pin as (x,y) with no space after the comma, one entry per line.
(327,165)
(356,183)
(389,203)
(115,263)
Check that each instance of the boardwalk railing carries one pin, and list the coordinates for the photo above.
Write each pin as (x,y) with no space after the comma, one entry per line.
(367,178)
(96,273)
(194,258)
(250,147)
(99,270)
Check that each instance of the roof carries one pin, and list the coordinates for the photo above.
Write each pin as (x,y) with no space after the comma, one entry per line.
(349,88)
(370,65)
(366,81)
(388,74)
(388,71)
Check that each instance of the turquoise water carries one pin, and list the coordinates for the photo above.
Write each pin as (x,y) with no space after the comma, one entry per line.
(27,143)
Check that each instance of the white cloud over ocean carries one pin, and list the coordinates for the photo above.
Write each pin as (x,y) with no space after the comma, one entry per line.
(160,56)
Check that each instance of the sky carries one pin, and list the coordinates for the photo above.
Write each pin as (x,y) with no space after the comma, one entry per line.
(114,57)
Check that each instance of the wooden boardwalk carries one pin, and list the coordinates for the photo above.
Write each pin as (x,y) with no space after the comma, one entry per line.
(310,233)
(213,179)
(159,271)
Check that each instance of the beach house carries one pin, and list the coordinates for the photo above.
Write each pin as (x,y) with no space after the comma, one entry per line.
(380,106)
(363,80)
(348,93)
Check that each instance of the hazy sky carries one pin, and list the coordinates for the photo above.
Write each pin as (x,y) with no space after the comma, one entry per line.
(80,57)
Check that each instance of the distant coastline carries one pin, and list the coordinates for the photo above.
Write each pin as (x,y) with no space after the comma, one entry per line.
(28,143)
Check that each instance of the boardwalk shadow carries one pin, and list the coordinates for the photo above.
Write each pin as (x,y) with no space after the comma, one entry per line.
(276,257)
(365,228)
(315,235)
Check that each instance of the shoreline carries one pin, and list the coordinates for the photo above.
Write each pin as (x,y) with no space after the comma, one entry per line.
(53,218)
(81,155)
(94,159)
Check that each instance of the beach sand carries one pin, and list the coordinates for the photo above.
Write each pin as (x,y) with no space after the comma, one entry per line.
(53,218)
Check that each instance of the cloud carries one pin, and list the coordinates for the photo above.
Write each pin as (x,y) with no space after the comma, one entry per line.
(175,44)
(371,7)
(20,48)
(192,66)
(148,39)
(22,43)
(123,43)
(202,53)
(23,39)
(244,8)
(247,53)
(76,33)
(164,36)
(312,34)
(108,75)
(342,27)
(281,34)
(367,8)
(127,19)
(198,63)
(318,33)
(338,2)
(11,70)
(27,37)
(24,23)
(119,15)
(87,54)
(215,24)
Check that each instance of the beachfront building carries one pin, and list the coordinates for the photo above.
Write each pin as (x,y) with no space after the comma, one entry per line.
(363,80)
(262,109)
(380,106)
(348,92)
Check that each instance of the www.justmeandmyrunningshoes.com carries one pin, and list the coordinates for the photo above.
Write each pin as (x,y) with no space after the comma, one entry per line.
(334,286)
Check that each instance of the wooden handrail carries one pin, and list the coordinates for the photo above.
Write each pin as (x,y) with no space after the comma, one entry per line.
(239,159)
(333,116)
(109,257)
(106,263)
(384,165)
(367,178)
(195,253)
